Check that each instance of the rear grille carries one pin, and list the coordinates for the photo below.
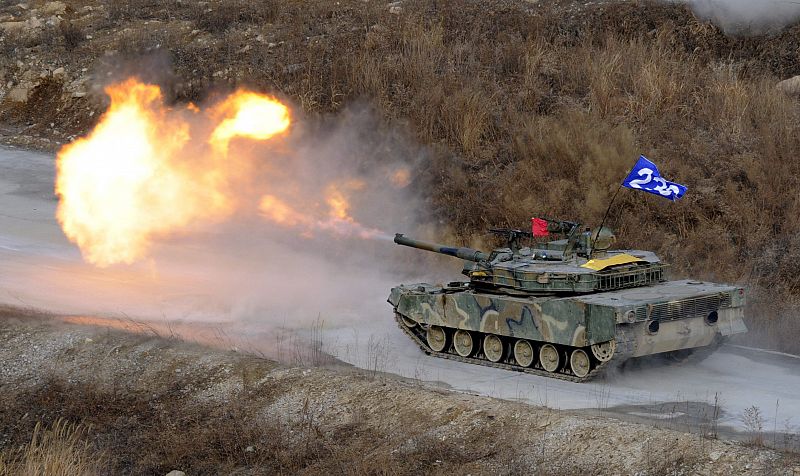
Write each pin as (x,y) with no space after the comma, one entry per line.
(692,307)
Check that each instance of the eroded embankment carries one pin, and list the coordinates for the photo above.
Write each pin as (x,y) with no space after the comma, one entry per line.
(156,404)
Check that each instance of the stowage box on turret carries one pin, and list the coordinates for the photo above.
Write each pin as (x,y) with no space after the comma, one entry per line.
(564,308)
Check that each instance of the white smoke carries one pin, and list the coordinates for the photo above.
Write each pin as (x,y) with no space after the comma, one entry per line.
(747,17)
(247,274)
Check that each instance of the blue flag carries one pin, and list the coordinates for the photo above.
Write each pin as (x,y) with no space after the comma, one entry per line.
(645,176)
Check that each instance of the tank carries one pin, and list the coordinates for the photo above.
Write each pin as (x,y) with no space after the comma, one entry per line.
(565,308)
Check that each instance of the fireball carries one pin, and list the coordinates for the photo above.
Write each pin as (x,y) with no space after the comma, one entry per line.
(135,178)
(250,115)
(148,172)
(118,187)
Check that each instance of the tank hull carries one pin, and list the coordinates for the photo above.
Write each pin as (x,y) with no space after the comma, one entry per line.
(665,317)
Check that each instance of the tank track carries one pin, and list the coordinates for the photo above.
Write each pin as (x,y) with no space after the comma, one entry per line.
(416,333)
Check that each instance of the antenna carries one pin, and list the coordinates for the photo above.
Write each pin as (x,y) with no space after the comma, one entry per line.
(605,215)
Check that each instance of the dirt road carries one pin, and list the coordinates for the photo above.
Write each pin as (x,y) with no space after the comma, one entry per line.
(39,268)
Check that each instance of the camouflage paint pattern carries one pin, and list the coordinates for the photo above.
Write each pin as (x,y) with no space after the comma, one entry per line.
(556,320)
(555,292)
(536,276)
(526,270)
(680,307)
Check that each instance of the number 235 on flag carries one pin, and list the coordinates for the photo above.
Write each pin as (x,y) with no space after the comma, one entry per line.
(645,177)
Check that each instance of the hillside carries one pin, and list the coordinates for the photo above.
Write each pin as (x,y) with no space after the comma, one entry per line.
(524,108)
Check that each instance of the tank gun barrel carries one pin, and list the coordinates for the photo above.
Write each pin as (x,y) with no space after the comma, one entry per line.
(468,254)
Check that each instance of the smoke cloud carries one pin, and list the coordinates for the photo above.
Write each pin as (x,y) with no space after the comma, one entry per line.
(248,272)
(747,17)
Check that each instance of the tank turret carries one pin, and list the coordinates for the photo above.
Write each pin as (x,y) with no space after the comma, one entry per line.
(578,263)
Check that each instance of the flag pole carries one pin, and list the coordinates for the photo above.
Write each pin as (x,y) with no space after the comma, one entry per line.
(605,215)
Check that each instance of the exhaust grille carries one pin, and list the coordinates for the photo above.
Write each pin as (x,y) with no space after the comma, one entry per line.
(684,308)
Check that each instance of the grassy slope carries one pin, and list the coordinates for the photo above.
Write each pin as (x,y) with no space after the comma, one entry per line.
(527,109)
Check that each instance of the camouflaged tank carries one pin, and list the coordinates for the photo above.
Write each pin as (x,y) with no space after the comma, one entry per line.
(565,308)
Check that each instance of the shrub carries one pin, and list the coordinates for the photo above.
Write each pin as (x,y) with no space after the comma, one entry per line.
(71,34)
(226,14)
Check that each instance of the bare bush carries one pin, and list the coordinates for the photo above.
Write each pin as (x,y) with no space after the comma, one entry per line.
(71,34)
(671,462)
(225,14)
(753,422)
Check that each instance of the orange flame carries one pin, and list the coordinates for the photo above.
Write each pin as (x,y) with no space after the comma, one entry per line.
(336,219)
(276,210)
(117,186)
(148,171)
(336,200)
(247,114)
(133,179)
(339,219)
(400,178)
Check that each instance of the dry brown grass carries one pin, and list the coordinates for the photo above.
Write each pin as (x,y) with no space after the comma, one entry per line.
(155,430)
(532,114)
(60,450)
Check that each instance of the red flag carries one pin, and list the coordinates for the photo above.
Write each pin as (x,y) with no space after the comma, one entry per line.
(539,227)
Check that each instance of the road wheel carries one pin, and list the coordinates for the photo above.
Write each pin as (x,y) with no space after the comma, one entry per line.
(462,341)
(548,356)
(493,347)
(604,351)
(408,322)
(523,353)
(579,363)
(437,338)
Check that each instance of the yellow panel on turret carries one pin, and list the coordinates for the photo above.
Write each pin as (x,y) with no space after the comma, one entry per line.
(599,264)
